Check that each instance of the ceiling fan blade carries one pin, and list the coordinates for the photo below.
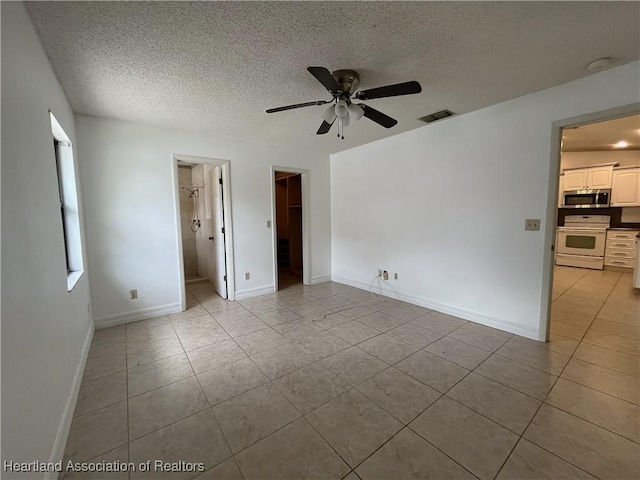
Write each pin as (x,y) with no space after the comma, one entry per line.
(406,88)
(325,78)
(298,105)
(378,117)
(325,127)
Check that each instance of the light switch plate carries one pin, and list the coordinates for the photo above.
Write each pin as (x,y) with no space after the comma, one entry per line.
(268,223)
(532,224)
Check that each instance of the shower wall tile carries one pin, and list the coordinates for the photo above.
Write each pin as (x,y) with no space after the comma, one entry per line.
(189,251)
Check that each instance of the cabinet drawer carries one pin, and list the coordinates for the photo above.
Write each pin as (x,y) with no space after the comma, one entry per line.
(621,235)
(614,253)
(618,262)
(621,244)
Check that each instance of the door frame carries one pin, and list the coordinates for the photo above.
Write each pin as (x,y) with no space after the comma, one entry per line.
(306,230)
(552,202)
(228,224)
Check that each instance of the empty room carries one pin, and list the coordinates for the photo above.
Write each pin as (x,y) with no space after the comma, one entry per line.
(330,240)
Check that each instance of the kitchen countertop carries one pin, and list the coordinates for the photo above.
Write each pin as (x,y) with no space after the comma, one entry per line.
(614,212)
(627,229)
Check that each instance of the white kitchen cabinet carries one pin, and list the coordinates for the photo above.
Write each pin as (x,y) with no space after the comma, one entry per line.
(599,177)
(575,179)
(625,189)
(561,191)
(588,178)
(620,248)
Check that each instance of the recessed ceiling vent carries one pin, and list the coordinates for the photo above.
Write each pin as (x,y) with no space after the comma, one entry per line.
(437,116)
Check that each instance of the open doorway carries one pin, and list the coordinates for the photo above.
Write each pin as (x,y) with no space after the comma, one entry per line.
(291,227)
(205,235)
(597,216)
(288,192)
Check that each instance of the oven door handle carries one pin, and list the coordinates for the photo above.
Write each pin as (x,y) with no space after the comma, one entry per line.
(592,232)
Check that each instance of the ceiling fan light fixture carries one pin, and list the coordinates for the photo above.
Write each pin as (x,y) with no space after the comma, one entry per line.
(329,114)
(341,108)
(355,111)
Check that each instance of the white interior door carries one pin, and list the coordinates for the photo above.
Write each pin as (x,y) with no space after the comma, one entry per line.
(218,274)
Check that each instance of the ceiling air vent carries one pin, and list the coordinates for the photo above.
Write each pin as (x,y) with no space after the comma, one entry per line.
(437,116)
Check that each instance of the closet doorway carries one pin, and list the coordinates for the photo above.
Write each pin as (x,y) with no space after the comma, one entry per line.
(290,228)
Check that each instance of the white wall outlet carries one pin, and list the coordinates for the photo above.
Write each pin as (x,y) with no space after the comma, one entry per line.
(133,293)
(395,276)
(247,276)
(385,275)
(379,273)
(532,224)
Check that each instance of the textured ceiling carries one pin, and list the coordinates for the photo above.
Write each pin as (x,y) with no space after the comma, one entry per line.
(603,136)
(214,67)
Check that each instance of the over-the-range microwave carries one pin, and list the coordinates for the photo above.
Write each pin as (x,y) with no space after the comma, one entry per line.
(600,198)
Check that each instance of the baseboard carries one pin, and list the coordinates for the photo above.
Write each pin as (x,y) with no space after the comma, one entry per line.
(60,443)
(320,279)
(136,315)
(254,292)
(463,313)
(193,281)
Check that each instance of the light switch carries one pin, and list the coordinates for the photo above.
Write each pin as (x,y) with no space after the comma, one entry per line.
(268,223)
(532,224)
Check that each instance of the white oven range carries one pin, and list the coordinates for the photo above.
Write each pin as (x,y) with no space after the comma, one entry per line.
(581,241)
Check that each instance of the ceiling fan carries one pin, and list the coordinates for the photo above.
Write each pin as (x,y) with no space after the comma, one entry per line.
(342,84)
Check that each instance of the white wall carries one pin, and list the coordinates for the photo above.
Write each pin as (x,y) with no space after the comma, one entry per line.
(127,174)
(44,327)
(445,205)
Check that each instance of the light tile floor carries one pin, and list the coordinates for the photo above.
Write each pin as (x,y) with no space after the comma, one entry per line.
(257,389)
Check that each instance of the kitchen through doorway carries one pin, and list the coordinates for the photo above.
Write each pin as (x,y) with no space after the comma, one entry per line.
(597,216)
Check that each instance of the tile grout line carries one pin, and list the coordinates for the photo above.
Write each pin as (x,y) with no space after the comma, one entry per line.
(592,362)
(543,402)
(355,305)
(589,421)
(407,425)
(616,334)
(210,407)
(126,370)
(303,415)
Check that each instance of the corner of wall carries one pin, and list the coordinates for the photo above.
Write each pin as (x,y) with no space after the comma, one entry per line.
(57,452)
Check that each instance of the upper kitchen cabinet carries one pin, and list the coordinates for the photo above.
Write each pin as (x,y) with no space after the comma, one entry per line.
(625,191)
(599,177)
(588,178)
(561,190)
(575,179)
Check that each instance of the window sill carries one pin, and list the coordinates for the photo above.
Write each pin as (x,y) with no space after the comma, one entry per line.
(72,279)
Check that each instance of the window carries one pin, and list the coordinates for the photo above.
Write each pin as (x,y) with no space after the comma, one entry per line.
(68,196)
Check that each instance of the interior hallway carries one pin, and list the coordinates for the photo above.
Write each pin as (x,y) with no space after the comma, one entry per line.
(257,389)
